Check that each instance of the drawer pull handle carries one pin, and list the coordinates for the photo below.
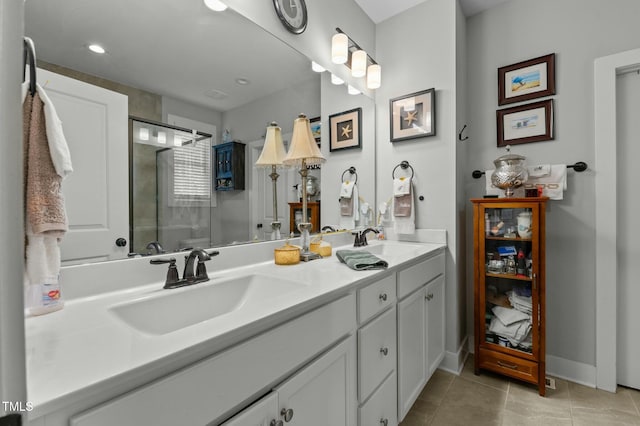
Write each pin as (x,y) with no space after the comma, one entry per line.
(384,351)
(383,297)
(507,365)
(429,296)
(287,413)
(384,422)
(275,422)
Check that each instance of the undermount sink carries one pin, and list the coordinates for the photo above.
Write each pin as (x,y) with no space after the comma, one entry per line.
(171,310)
(388,248)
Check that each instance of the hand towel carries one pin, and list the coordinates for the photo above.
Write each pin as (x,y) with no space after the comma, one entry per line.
(404,212)
(349,210)
(401,186)
(515,332)
(361,260)
(58,148)
(346,189)
(554,184)
(540,170)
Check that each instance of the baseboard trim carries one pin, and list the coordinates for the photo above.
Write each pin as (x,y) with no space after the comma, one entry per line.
(453,362)
(574,371)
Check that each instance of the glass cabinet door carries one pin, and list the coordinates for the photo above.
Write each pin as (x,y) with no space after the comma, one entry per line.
(508,289)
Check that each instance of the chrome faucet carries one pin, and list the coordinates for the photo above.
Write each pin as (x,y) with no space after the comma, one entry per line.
(189,277)
(154,246)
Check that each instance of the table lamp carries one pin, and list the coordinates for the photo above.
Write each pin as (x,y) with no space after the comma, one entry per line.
(302,152)
(271,156)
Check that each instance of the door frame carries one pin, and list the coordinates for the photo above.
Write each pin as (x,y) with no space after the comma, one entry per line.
(606,70)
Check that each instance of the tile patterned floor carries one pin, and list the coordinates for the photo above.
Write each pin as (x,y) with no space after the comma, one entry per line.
(489,399)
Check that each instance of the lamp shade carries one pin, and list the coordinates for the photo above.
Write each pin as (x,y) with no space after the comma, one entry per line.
(374,77)
(358,63)
(339,48)
(303,145)
(273,152)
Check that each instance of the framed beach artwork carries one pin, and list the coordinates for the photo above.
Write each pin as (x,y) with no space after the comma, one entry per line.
(344,130)
(413,116)
(316,128)
(527,80)
(525,123)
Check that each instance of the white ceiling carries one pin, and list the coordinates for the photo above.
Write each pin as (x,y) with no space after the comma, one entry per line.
(379,10)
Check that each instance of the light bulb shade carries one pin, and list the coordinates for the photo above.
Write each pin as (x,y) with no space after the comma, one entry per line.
(339,48)
(317,67)
(162,137)
(303,145)
(374,76)
(336,80)
(352,90)
(358,63)
(273,150)
(215,5)
(144,134)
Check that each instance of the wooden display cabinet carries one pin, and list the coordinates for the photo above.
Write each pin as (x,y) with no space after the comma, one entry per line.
(313,215)
(509,285)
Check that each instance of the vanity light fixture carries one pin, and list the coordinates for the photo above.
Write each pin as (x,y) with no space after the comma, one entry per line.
(336,80)
(215,5)
(339,48)
(272,156)
(358,60)
(302,152)
(144,134)
(352,90)
(96,48)
(317,67)
(162,137)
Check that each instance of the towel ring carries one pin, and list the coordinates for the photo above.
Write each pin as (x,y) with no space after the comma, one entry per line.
(351,170)
(403,165)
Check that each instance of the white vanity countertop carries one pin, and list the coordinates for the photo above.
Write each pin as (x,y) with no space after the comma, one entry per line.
(85,349)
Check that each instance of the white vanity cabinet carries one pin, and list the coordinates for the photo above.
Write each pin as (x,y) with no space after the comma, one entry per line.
(322,393)
(420,328)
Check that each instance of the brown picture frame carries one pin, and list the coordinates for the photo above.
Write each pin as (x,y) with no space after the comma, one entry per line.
(526,80)
(527,123)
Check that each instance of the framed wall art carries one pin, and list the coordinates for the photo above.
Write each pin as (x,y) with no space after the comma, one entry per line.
(413,116)
(527,80)
(344,130)
(525,123)
(316,128)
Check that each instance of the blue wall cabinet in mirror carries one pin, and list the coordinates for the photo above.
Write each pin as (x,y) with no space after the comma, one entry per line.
(229,166)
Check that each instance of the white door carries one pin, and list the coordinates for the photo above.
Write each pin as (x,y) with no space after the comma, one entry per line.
(412,356)
(435,324)
(628,232)
(323,393)
(94,121)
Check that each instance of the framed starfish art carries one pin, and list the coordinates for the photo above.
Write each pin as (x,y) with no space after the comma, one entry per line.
(413,116)
(344,130)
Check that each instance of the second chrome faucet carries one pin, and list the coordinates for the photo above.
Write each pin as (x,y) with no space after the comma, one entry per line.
(192,274)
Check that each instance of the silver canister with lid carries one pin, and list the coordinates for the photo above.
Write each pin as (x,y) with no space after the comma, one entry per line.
(510,172)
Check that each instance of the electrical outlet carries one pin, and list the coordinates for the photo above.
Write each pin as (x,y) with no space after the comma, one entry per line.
(550,383)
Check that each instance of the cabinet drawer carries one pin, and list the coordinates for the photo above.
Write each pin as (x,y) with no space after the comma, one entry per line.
(376,297)
(509,365)
(417,275)
(376,352)
(381,406)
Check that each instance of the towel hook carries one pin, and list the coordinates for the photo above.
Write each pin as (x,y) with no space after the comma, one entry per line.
(351,170)
(404,165)
(29,53)
(460,138)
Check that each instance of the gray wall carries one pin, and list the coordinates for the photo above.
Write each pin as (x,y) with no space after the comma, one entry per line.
(578,31)
(428,60)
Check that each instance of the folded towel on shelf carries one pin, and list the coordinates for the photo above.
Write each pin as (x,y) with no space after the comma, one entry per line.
(516,332)
(361,260)
(554,183)
(521,303)
(509,316)
(350,209)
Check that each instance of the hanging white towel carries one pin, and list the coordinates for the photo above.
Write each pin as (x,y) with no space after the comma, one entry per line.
(401,186)
(554,183)
(346,189)
(349,222)
(402,223)
(540,170)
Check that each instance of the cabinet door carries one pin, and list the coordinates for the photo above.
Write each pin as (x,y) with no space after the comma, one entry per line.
(262,413)
(324,393)
(435,324)
(412,366)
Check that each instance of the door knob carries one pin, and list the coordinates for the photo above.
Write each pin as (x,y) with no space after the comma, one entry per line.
(384,351)
(275,422)
(287,414)
(121,242)
(383,297)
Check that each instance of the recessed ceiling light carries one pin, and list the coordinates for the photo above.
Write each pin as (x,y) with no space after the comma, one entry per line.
(216,5)
(242,81)
(216,94)
(96,48)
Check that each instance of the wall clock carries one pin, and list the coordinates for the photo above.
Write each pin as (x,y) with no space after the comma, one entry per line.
(292,14)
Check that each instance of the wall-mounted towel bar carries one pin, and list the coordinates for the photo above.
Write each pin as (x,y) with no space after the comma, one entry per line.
(404,165)
(352,171)
(580,166)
